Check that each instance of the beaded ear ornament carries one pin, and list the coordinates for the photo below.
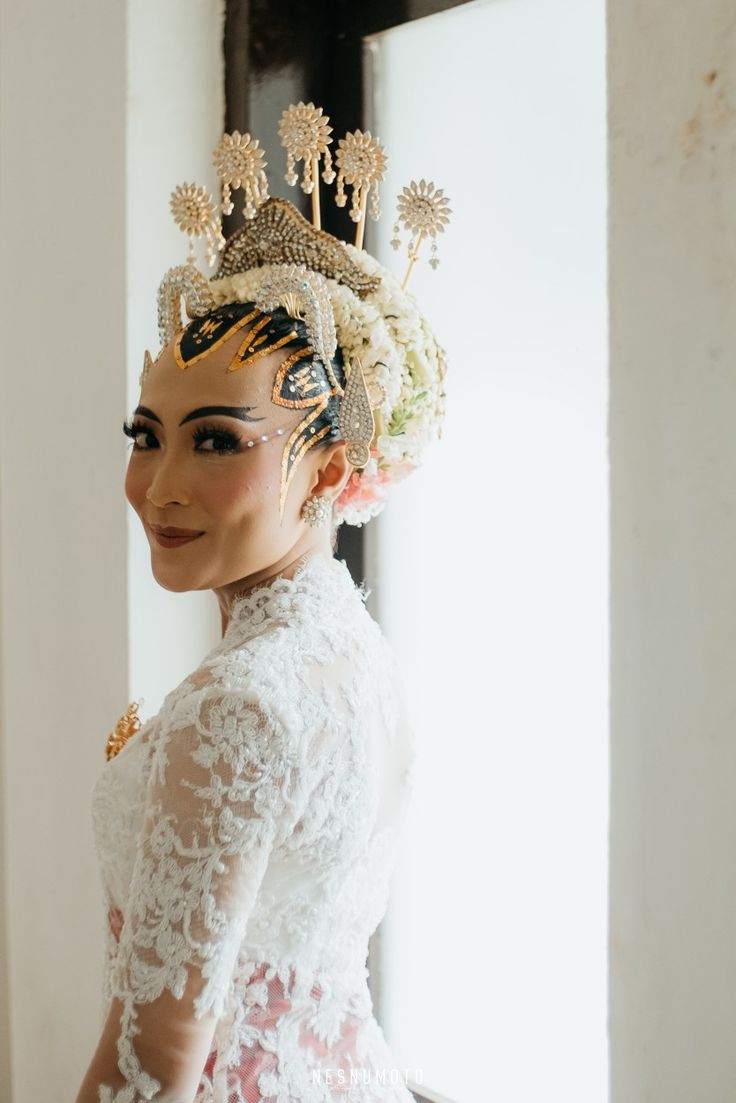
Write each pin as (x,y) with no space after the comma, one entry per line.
(392,399)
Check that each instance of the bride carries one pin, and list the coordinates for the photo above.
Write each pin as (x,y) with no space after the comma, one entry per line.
(246,833)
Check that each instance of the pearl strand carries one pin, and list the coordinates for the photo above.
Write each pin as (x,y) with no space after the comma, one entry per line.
(264,437)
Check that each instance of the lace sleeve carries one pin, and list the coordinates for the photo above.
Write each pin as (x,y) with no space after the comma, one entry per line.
(225,781)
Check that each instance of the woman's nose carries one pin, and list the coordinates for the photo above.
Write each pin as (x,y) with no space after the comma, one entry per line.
(164,490)
(161,499)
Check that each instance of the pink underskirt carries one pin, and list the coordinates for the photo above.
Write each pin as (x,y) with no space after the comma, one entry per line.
(254,1061)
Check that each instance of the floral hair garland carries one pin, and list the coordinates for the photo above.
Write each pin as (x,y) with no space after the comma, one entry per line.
(404,368)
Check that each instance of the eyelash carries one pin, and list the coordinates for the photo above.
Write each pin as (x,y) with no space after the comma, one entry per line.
(134,429)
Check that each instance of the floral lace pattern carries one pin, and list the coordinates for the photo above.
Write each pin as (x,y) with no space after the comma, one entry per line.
(246,836)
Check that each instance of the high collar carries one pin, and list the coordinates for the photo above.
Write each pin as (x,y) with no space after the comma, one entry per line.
(319,581)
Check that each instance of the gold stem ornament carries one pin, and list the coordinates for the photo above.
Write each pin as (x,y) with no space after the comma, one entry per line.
(424,211)
(413,255)
(305,135)
(361,164)
(361,222)
(316,213)
(128,724)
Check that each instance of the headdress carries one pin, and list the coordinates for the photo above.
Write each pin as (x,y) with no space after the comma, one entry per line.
(392,402)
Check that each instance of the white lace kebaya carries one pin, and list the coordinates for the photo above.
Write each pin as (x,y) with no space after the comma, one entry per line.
(246,835)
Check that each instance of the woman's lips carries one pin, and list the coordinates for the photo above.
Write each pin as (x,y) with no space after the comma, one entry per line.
(170,537)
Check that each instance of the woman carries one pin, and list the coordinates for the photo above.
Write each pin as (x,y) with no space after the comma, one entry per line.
(247,832)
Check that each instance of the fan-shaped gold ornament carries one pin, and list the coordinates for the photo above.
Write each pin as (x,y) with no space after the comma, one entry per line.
(194,212)
(305,134)
(361,163)
(240,163)
(424,211)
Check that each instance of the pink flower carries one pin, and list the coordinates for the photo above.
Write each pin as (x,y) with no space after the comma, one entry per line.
(370,487)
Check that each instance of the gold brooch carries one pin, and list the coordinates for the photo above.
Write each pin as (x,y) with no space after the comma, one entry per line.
(127,725)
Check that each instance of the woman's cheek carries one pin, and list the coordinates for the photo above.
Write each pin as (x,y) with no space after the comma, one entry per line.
(135,489)
(233,492)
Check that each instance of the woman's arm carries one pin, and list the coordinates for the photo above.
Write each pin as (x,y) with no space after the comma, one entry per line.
(170,1042)
(224,781)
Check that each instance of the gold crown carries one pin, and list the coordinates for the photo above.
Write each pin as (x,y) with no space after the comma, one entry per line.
(360,164)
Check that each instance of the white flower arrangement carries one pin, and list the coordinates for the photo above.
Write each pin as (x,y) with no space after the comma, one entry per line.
(402,363)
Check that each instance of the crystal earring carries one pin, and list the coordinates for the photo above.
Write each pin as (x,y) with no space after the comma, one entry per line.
(317,510)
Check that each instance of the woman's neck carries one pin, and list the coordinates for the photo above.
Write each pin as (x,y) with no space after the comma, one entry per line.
(285,568)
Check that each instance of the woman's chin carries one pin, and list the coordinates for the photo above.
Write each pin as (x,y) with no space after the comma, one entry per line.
(176,578)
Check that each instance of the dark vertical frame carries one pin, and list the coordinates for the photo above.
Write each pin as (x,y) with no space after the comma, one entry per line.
(319,44)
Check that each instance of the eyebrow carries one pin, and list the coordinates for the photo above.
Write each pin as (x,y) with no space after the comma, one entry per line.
(241,412)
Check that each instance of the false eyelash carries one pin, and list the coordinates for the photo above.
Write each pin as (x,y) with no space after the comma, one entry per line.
(133,429)
(204,432)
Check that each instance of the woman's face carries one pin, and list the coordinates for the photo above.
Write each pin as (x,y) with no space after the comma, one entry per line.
(193,470)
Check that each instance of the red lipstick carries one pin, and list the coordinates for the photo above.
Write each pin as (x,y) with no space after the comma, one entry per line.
(170,537)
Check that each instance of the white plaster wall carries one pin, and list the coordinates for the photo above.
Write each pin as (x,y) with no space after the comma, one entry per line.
(64,544)
(87,236)
(672,240)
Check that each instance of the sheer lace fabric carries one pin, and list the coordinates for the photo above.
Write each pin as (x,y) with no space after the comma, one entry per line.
(246,836)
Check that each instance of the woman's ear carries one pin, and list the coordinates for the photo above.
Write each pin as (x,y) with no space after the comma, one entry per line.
(333,470)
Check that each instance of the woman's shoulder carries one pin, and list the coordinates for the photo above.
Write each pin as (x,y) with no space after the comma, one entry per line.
(280,635)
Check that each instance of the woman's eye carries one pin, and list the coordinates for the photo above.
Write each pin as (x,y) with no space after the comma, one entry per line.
(206,439)
(135,430)
(220,439)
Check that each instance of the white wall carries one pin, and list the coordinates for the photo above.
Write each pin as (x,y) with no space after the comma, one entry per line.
(490,564)
(672,239)
(87,235)
(64,545)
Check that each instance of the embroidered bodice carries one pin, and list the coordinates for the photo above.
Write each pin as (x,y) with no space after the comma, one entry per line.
(246,835)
